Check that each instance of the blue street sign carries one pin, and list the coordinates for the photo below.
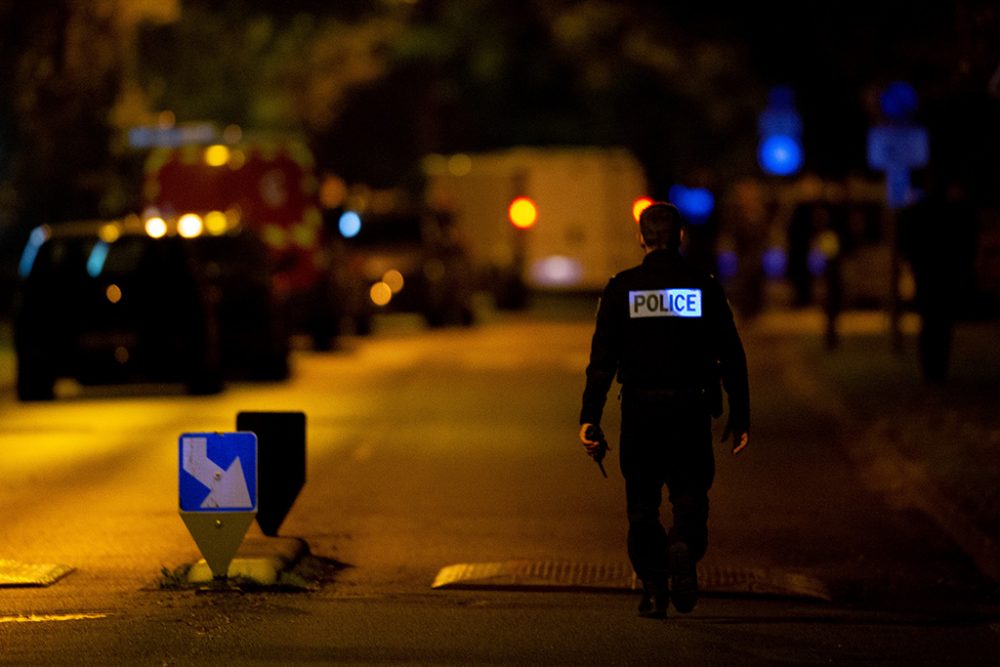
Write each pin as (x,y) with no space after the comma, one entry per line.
(897,187)
(218,472)
(898,101)
(172,137)
(898,147)
(786,122)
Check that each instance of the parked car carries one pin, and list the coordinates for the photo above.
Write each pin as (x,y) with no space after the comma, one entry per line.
(414,262)
(108,302)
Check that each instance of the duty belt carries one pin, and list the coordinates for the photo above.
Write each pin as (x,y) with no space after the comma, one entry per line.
(658,394)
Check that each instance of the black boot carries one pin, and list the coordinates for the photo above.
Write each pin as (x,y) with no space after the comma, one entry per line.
(683,577)
(655,599)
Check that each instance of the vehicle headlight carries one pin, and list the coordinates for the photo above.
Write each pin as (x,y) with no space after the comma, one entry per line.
(190,225)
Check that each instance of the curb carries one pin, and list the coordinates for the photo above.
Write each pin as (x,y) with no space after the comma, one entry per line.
(259,559)
(890,472)
(918,491)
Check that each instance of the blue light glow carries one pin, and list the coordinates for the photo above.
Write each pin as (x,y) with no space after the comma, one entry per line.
(349,224)
(817,262)
(780,155)
(695,204)
(774,261)
(95,262)
(727,264)
(39,235)
(781,97)
(780,116)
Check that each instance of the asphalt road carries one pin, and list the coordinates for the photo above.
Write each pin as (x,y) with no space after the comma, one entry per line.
(434,448)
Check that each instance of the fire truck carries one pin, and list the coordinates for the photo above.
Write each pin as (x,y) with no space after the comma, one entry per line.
(270,188)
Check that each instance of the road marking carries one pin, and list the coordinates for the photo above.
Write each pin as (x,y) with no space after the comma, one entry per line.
(47,618)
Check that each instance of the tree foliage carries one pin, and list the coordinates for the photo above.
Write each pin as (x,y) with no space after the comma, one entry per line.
(376,84)
(60,76)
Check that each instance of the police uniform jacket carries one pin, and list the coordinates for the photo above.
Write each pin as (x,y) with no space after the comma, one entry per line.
(665,326)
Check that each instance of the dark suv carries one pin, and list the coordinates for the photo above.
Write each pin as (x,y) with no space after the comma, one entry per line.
(415,262)
(106,302)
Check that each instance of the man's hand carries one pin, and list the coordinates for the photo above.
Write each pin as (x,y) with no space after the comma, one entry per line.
(591,445)
(596,444)
(740,438)
(740,442)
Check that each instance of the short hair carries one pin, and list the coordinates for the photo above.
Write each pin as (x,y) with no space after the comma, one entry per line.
(660,225)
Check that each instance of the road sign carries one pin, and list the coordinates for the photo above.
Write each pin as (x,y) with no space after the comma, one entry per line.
(281,450)
(217,490)
(151,137)
(218,472)
(898,147)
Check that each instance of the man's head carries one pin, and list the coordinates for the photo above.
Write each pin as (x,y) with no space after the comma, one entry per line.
(660,227)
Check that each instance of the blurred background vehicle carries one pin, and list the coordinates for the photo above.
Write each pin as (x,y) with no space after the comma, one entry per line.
(412,262)
(271,185)
(540,218)
(107,302)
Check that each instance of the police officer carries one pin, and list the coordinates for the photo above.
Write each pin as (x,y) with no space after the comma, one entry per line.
(666,330)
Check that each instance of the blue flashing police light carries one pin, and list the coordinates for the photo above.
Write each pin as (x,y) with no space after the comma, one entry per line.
(695,204)
(780,155)
(349,224)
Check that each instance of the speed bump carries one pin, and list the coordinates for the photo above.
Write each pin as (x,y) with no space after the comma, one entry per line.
(14,573)
(614,577)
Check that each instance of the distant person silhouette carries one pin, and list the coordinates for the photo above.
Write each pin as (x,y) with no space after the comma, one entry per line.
(936,236)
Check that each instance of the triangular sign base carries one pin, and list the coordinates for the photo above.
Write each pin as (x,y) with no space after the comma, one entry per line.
(218,536)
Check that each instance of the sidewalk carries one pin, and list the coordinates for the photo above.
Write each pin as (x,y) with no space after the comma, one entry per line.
(940,443)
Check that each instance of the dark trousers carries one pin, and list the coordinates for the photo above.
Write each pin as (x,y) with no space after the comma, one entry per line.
(666,441)
(934,344)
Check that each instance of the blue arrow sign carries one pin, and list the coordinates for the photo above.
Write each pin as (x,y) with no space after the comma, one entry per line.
(218,472)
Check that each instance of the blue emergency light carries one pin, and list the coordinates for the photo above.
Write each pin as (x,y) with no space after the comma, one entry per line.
(349,224)
(695,204)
